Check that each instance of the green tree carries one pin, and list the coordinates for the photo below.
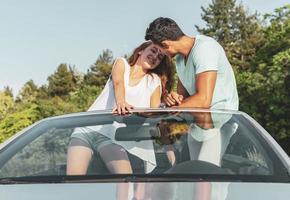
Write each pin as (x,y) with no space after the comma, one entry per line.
(6,104)
(43,92)
(100,71)
(85,96)
(16,121)
(273,62)
(77,77)
(28,92)
(55,106)
(277,33)
(264,89)
(8,91)
(235,29)
(61,82)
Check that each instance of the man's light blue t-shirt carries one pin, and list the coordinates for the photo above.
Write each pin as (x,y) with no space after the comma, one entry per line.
(208,55)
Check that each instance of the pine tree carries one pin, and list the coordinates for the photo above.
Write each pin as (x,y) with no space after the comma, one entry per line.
(28,92)
(238,32)
(61,82)
(8,91)
(77,77)
(218,17)
(100,71)
(6,104)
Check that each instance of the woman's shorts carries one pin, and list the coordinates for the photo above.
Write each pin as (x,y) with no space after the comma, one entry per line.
(91,139)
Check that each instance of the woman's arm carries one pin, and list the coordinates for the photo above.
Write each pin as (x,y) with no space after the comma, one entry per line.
(155,99)
(118,70)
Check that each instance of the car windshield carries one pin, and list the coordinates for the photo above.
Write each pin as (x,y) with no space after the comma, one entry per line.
(156,144)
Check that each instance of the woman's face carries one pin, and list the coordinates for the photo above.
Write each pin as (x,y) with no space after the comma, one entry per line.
(151,56)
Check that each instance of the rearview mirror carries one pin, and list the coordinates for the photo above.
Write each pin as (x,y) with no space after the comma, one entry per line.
(136,133)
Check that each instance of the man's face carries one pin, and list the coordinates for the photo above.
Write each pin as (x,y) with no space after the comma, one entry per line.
(169,47)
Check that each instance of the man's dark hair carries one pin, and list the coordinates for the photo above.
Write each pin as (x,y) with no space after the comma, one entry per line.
(163,29)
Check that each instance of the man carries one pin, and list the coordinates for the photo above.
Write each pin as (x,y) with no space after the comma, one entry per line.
(205,76)
(205,80)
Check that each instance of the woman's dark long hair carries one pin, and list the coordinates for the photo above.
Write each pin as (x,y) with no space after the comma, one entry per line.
(165,70)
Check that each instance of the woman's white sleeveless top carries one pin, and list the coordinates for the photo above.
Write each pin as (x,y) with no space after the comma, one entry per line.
(139,97)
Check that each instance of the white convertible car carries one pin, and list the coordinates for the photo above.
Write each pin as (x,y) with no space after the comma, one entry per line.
(174,154)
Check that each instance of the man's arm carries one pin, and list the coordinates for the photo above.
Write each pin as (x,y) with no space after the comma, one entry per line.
(205,84)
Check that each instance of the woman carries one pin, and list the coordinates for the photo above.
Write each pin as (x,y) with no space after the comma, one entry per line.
(148,72)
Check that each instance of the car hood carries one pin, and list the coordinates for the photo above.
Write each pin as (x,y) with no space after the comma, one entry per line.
(164,190)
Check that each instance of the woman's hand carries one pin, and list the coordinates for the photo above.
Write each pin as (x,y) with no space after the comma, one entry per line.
(173,99)
(122,108)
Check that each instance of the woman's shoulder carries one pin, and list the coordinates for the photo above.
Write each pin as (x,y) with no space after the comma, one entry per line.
(155,76)
(121,60)
(153,79)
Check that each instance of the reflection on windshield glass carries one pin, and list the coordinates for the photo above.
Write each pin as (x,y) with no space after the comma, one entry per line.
(192,191)
(142,143)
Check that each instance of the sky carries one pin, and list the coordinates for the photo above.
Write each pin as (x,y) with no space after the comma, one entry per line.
(38,35)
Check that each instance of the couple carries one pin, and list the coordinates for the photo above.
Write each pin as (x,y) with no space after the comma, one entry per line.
(205,80)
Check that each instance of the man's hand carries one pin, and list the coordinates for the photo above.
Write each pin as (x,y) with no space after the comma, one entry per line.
(173,99)
(122,108)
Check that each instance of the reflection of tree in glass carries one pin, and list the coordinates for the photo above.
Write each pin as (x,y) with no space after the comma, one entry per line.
(256,156)
(51,148)
(245,148)
(45,155)
(55,144)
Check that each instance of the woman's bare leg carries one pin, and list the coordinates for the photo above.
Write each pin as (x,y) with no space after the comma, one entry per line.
(117,161)
(78,159)
(139,192)
(203,191)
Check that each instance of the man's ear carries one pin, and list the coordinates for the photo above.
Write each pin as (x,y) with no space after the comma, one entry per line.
(165,44)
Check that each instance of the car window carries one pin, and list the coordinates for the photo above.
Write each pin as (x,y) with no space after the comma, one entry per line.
(155,143)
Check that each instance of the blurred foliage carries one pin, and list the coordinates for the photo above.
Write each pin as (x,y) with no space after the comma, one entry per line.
(18,120)
(235,29)
(257,48)
(264,89)
(8,91)
(28,92)
(63,81)
(100,71)
(85,96)
(6,104)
